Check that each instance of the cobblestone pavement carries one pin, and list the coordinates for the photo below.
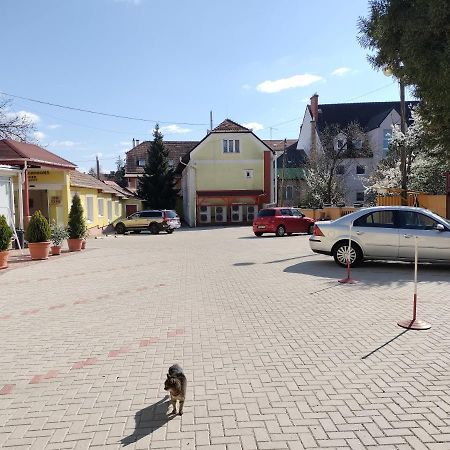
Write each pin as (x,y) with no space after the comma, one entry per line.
(277,353)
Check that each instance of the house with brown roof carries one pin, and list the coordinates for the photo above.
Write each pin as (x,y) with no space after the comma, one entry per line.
(47,182)
(228,176)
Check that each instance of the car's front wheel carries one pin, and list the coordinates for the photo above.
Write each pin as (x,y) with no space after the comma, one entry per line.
(154,229)
(341,254)
(281,231)
(121,228)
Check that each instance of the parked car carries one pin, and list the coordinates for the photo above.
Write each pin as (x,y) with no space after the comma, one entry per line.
(282,221)
(154,220)
(385,233)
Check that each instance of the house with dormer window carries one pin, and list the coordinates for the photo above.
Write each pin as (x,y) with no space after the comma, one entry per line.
(375,118)
(228,176)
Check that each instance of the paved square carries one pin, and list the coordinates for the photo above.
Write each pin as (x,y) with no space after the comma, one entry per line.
(277,353)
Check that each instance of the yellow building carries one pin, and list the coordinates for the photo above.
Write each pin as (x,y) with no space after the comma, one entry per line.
(48,183)
(229,175)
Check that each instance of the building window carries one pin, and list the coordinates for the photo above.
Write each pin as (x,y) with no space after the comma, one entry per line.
(248,173)
(116,208)
(360,170)
(360,196)
(289,192)
(100,206)
(90,208)
(231,146)
(340,170)
(141,162)
(340,143)
(386,140)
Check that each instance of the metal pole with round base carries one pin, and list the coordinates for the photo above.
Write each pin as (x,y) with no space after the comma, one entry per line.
(348,279)
(414,323)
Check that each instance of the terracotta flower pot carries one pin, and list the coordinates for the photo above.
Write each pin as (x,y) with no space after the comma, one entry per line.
(74,244)
(56,250)
(4,259)
(39,250)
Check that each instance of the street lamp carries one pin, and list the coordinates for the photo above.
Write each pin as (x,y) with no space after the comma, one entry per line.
(404,195)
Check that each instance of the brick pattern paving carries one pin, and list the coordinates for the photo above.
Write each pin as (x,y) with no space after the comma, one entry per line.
(277,353)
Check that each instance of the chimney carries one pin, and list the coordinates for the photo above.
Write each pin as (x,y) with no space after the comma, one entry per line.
(315,118)
(315,106)
(134,143)
(137,142)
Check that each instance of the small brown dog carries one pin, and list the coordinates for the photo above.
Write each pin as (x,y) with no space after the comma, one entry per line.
(176,384)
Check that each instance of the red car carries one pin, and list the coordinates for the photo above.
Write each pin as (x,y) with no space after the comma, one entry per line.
(282,221)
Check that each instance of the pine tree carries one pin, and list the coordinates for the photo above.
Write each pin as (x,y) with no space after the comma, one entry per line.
(119,175)
(157,185)
(77,225)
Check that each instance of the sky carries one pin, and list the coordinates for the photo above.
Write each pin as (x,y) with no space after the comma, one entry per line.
(256,62)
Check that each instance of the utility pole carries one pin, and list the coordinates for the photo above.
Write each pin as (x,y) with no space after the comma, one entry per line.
(210,120)
(404,175)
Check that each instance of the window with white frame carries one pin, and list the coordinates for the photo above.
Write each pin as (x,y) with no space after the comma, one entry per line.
(141,162)
(248,173)
(360,169)
(231,146)
(100,206)
(90,208)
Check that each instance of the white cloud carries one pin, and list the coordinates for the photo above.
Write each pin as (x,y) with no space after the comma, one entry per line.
(53,126)
(340,71)
(39,135)
(270,86)
(174,129)
(255,126)
(63,144)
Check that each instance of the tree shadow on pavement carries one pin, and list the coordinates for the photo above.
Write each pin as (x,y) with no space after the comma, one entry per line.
(149,420)
(374,272)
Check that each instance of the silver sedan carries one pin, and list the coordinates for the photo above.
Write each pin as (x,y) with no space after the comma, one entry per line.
(385,233)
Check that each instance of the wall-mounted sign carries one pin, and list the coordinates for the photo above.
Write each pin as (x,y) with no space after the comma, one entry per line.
(55,200)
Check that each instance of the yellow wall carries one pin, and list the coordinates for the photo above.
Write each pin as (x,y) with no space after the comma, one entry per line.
(99,220)
(216,170)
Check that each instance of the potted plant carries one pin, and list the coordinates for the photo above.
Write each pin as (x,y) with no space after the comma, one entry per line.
(77,225)
(5,241)
(59,233)
(38,236)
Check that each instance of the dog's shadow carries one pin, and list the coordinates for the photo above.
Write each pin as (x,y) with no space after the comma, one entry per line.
(149,420)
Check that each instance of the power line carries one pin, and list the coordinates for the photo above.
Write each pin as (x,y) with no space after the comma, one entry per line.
(117,116)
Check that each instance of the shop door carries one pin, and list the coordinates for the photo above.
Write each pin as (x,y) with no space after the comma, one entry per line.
(130,209)
(39,202)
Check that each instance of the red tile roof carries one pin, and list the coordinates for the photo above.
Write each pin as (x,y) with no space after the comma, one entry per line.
(228,126)
(14,152)
(176,150)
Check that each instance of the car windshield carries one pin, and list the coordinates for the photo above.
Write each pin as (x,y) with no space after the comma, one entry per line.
(266,213)
(171,214)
